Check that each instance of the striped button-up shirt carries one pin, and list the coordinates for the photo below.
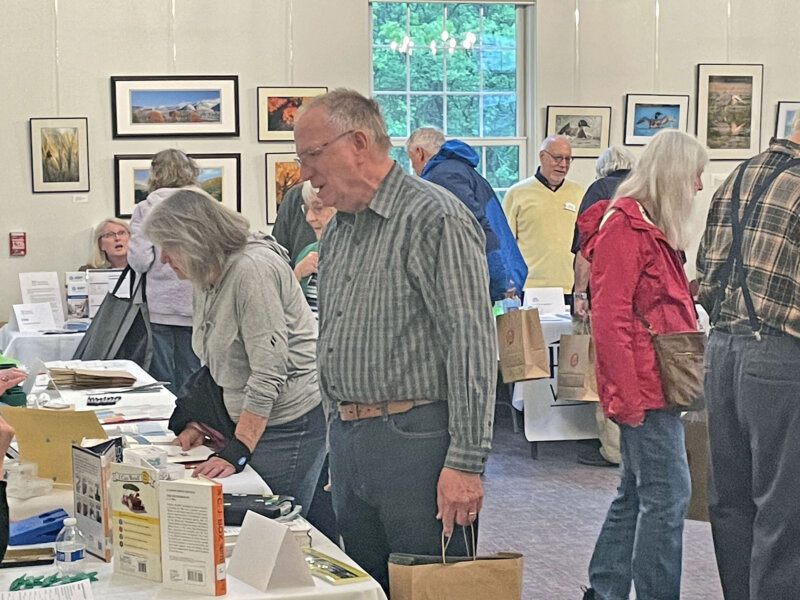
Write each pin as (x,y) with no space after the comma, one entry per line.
(405,313)
(770,247)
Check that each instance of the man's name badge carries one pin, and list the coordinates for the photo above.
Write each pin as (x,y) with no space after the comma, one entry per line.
(570,207)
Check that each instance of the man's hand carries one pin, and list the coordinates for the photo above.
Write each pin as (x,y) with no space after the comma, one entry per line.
(11,377)
(188,438)
(214,467)
(307,266)
(459,496)
(580,308)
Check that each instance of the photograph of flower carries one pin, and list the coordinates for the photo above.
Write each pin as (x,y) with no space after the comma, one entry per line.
(283,173)
(277,108)
(59,155)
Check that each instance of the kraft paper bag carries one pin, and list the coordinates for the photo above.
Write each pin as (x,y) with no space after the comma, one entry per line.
(523,353)
(576,379)
(497,577)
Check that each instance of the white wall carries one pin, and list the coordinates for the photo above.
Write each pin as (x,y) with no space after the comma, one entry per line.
(56,57)
(593,52)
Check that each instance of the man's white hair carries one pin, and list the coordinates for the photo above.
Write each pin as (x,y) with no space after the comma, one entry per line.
(430,139)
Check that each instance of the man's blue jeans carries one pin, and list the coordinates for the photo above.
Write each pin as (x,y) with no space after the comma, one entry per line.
(173,357)
(753,397)
(642,538)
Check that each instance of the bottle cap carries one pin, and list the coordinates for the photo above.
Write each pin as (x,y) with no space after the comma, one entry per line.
(69,521)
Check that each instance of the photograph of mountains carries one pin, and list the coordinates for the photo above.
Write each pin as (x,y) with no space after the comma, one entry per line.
(175,106)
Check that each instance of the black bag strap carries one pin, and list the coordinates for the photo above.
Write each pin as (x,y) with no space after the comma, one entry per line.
(134,288)
(733,270)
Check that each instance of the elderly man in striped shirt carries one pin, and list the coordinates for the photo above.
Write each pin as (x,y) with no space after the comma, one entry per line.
(407,347)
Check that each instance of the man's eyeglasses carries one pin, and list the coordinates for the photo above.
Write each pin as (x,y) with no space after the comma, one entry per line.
(558,158)
(115,234)
(315,153)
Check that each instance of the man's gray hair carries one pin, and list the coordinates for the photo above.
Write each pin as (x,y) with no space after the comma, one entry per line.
(172,169)
(430,139)
(200,229)
(552,138)
(663,182)
(349,110)
(613,159)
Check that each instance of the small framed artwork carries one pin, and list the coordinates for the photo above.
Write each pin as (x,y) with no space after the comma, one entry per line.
(586,127)
(729,109)
(175,106)
(277,107)
(282,173)
(59,155)
(220,176)
(647,114)
(786,112)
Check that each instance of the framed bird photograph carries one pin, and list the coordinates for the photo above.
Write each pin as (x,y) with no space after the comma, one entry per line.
(586,127)
(729,109)
(786,112)
(647,114)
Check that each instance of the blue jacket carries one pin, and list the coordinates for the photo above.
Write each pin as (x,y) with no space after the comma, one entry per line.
(453,168)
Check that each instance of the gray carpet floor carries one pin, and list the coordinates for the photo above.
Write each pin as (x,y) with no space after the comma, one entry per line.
(551,510)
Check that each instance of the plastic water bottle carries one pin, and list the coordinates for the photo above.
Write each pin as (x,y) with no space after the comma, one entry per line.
(70,548)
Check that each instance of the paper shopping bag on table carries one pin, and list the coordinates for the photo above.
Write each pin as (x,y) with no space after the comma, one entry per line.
(576,379)
(523,354)
(497,576)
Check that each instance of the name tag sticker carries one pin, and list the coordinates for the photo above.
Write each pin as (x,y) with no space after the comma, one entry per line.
(570,207)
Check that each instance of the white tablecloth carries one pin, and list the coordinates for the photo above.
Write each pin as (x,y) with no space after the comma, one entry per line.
(546,418)
(27,347)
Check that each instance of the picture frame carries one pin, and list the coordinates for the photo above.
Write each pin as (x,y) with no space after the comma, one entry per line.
(783,122)
(277,107)
(59,154)
(175,106)
(282,173)
(729,100)
(587,127)
(647,114)
(220,176)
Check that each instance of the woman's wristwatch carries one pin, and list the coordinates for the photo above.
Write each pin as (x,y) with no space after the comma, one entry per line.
(581,295)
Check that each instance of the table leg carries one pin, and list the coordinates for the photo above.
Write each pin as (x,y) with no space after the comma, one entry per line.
(534,450)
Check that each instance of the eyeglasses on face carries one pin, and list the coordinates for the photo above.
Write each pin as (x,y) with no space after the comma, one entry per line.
(558,158)
(115,234)
(314,153)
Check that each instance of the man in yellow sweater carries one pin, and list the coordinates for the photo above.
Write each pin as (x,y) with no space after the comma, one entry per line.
(541,212)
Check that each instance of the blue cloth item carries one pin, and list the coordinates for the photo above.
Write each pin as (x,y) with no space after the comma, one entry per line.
(173,357)
(642,538)
(453,168)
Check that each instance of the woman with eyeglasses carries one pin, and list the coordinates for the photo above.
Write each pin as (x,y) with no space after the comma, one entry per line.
(110,247)
(317,216)
(169,299)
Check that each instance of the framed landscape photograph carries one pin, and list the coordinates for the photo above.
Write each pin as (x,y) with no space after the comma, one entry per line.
(586,127)
(220,176)
(729,109)
(277,107)
(175,106)
(282,173)
(59,155)
(647,114)
(786,112)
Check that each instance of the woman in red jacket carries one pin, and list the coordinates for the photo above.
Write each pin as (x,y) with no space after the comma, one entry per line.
(636,275)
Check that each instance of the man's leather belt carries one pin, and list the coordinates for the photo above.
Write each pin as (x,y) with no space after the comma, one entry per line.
(353,411)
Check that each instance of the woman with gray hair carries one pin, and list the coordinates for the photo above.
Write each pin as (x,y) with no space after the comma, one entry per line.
(169,300)
(255,332)
(639,287)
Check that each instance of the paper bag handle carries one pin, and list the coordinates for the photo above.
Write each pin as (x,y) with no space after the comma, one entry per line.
(445,544)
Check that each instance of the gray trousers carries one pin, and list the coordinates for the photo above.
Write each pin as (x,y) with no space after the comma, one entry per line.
(753,396)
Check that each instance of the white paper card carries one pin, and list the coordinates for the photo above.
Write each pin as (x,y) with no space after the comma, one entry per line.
(101,281)
(546,299)
(267,556)
(43,287)
(34,317)
(80,590)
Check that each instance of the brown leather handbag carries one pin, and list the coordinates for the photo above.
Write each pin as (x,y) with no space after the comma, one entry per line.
(680,362)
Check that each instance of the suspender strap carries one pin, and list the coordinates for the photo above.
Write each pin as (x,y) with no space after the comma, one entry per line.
(733,270)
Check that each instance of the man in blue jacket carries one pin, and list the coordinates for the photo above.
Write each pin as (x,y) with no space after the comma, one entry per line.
(451,164)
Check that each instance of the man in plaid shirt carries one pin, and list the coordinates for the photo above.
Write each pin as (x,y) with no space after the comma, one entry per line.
(752,381)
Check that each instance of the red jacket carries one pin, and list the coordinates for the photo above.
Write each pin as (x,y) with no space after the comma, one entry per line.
(633,265)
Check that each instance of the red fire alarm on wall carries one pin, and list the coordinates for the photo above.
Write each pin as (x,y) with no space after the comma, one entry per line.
(17,246)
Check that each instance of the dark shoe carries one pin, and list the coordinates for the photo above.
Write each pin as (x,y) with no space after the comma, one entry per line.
(593,458)
(588,594)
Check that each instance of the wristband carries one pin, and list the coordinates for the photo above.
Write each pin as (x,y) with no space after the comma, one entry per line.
(236,453)
(582,295)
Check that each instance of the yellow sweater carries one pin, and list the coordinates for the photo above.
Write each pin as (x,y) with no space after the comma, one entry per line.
(542,222)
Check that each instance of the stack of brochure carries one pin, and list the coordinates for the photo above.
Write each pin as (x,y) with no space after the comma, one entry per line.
(90,378)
